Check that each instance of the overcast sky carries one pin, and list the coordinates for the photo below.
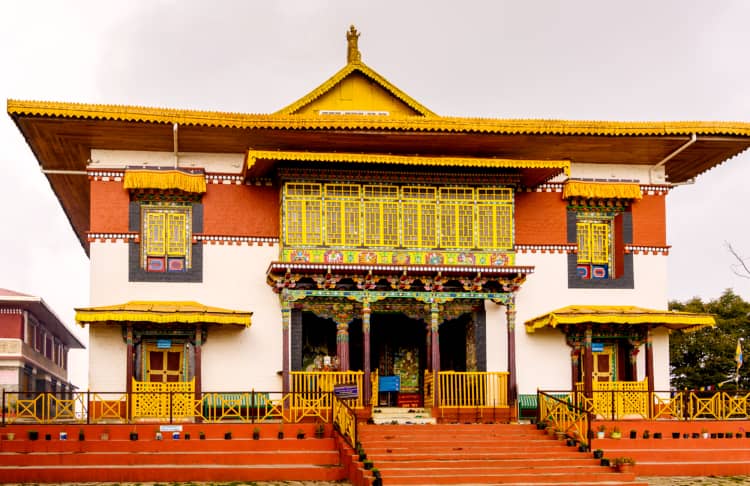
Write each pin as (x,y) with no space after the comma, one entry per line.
(592,60)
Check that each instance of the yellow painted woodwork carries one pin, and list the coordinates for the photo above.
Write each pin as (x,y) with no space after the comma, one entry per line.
(602,190)
(356,92)
(160,399)
(620,314)
(162,312)
(164,179)
(309,384)
(391,216)
(166,231)
(472,389)
(563,418)
(594,242)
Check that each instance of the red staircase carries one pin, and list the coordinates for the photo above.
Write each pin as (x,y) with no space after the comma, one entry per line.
(118,459)
(683,453)
(480,454)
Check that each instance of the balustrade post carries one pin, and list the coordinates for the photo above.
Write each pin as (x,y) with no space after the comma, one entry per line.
(88,407)
(3,407)
(367,384)
(286,318)
(170,405)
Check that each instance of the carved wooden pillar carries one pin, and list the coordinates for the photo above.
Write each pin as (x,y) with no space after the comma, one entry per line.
(510,311)
(434,336)
(428,347)
(588,364)
(575,370)
(650,370)
(366,311)
(198,363)
(342,345)
(129,367)
(286,318)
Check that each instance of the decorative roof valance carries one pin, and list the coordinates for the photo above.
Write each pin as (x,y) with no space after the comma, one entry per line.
(162,313)
(602,190)
(628,315)
(479,162)
(165,179)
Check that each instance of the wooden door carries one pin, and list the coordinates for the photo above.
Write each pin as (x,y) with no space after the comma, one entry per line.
(604,365)
(164,365)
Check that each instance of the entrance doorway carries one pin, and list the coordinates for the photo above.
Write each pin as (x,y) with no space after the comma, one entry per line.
(164,363)
(604,364)
(398,351)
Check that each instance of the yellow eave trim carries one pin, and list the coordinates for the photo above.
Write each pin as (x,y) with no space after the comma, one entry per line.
(164,179)
(18,108)
(162,313)
(602,190)
(343,73)
(620,315)
(254,155)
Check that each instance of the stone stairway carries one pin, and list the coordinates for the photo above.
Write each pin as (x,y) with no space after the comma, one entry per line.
(119,459)
(480,454)
(403,416)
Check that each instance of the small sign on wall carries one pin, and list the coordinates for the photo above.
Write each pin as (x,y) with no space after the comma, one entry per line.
(164,343)
(597,347)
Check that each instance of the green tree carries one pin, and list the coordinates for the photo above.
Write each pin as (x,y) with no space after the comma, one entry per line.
(707,357)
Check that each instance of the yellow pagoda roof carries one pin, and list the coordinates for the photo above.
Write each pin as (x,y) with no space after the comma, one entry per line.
(164,179)
(162,312)
(281,121)
(620,314)
(601,190)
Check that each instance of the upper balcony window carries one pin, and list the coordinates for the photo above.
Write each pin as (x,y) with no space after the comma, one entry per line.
(165,237)
(393,216)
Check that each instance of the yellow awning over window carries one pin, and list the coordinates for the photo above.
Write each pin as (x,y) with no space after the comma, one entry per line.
(164,179)
(602,190)
(162,313)
(629,315)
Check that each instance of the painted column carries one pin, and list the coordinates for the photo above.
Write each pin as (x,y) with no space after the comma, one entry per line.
(650,370)
(510,311)
(198,364)
(286,319)
(342,345)
(434,336)
(428,347)
(575,355)
(588,364)
(129,366)
(366,311)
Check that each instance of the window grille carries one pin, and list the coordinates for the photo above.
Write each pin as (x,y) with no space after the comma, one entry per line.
(593,242)
(166,233)
(419,215)
(456,217)
(342,203)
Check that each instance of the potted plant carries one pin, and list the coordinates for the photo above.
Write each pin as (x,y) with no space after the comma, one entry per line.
(657,435)
(646,434)
(675,435)
(729,435)
(320,430)
(368,464)
(604,462)
(10,435)
(158,435)
(601,431)
(134,434)
(377,480)
(704,433)
(228,435)
(81,435)
(616,434)
(33,435)
(256,433)
(280,434)
(633,434)
(300,434)
(598,453)
(187,435)
(47,436)
(201,435)
(104,435)
(623,464)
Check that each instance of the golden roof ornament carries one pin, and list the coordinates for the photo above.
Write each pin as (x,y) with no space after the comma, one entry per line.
(352,50)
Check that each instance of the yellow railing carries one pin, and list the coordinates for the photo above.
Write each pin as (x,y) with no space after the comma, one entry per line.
(429,389)
(308,385)
(374,388)
(617,399)
(472,389)
(564,417)
(163,399)
(345,420)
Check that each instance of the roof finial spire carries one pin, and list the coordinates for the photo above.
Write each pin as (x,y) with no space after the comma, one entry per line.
(352,51)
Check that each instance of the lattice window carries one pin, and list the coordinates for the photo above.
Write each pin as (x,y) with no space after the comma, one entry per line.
(166,235)
(302,214)
(594,242)
(419,216)
(495,218)
(381,215)
(342,218)
(456,217)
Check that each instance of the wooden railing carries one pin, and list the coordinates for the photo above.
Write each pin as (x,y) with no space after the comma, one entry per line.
(345,421)
(472,389)
(162,399)
(564,417)
(616,399)
(311,383)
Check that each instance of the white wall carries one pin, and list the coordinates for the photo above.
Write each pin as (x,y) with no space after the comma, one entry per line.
(107,359)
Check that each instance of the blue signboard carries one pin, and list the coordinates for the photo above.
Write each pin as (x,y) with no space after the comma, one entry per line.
(164,343)
(597,347)
(346,391)
(389,383)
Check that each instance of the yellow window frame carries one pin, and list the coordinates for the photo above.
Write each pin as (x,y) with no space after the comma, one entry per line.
(303,218)
(594,242)
(419,216)
(342,214)
(457,217)
(166,231)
